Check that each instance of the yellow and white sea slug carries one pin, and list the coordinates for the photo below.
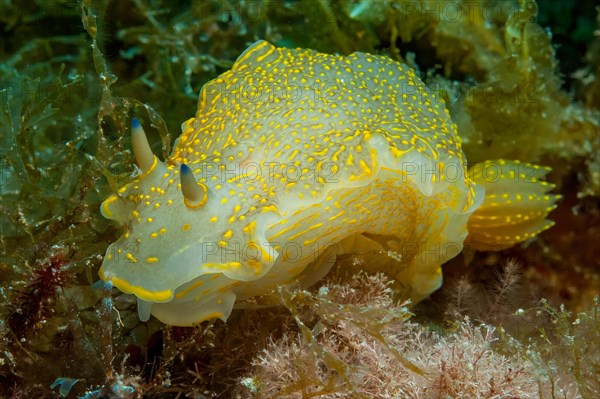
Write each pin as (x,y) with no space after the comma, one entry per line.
(294,157)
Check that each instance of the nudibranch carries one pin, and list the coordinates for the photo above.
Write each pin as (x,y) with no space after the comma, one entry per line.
(295,157)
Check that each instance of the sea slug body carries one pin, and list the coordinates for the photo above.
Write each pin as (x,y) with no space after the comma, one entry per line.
(295,157)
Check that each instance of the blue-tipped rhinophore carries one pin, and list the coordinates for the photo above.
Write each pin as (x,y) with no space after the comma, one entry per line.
(135,123)
(139,144)
(194,193)
(185,169)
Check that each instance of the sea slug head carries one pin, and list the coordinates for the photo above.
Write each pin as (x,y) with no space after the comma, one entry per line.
(184,248)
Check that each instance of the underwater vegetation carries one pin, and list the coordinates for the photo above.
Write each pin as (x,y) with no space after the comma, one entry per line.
(520,81)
